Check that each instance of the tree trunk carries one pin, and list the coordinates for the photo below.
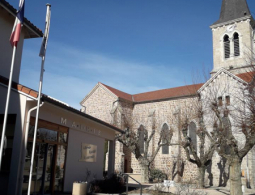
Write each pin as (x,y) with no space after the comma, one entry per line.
(144,173)
(201,175)
(235,177)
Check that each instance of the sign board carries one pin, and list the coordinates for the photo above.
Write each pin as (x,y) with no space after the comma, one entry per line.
(88,153)
(168,183)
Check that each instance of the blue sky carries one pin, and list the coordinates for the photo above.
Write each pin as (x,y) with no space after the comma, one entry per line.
(132,45)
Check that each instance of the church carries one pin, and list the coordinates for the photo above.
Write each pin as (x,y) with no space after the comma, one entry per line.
(233,49)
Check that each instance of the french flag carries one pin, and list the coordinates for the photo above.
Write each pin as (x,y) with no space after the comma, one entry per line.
(14,39)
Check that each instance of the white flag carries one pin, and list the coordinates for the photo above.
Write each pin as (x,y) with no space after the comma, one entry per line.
(46,34)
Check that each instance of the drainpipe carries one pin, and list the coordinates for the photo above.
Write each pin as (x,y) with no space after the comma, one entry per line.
(247,169)
(24,149)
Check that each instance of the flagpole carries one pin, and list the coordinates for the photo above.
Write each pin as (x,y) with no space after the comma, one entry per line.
(7,104)
(45,40)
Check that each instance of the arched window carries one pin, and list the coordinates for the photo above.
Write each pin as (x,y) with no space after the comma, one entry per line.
(141,138)
(165,136)
(236,45)
(192,134)
(226,46)
(226,128)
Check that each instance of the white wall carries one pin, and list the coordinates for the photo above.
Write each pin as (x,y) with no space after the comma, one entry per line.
(75,170)
(6,25)
(17,106)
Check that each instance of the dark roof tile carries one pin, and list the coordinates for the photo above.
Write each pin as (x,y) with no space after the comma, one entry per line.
(233,9)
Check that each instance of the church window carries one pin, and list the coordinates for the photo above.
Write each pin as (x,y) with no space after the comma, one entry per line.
(165,136)
(227,100)
(236,45)
(226,46)
(219,101)
(226,126)
(192,134)
(141,138)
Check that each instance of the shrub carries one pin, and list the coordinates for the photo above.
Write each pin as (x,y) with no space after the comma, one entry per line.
(157,174)
(113,184)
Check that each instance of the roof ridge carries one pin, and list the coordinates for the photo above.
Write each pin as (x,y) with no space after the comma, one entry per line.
(169,88)
(157,94)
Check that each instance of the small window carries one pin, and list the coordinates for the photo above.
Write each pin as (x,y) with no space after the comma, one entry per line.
(227,100)
(165,136)
(226,46)
(236,45)
(141,138)
(219,101)
(192,134)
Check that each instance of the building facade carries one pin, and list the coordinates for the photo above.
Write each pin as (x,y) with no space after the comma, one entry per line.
(233,51)
(68,141)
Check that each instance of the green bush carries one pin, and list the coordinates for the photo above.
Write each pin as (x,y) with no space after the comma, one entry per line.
(156,174)
(113,184)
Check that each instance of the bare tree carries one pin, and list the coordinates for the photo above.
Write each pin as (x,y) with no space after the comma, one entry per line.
(201,158)
(202,154)
(231,139)
(132,140)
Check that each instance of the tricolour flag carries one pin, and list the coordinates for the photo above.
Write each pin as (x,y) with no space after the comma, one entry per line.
(14,39)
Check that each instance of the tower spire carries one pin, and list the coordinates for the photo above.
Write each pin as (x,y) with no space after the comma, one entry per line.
(233,10)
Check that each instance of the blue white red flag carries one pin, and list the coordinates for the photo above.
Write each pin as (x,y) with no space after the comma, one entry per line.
(14,39)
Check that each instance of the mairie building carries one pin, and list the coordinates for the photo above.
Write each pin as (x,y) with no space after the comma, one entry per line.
(68,143)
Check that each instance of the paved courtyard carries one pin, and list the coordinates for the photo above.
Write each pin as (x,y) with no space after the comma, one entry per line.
(209,190)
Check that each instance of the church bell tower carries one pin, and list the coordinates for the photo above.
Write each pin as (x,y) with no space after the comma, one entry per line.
(233,37)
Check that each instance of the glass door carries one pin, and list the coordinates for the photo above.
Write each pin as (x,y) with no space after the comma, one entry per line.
(49,162)
(42,171)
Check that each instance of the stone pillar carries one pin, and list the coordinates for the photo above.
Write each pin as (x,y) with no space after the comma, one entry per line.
(111,158)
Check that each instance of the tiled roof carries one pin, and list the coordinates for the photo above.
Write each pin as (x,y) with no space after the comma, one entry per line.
(157,95)
(119,93)
(26,21)
(167,93)
(58,103)
(19,87)
(54,101)
(247,76)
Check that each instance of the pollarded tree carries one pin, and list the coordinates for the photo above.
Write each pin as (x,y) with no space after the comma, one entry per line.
(198,151)
(202,157)
(139,140)
(236,137)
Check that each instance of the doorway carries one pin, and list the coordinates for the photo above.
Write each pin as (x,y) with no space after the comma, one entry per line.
(49,162)
(42,180)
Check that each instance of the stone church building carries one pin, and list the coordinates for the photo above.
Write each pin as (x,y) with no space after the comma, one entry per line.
(233,48)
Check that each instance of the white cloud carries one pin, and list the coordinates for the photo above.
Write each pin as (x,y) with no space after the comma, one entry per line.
(71,73)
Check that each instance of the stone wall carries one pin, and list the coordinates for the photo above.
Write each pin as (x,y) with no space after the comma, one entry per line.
(100,104)
(163,113)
